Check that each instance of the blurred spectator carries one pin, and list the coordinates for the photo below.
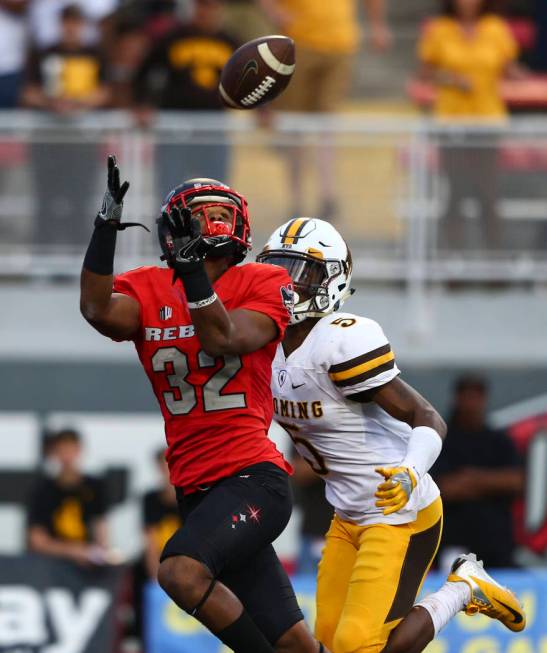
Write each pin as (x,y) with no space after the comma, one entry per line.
(309,491)
(162,16)
(182,73)
(160,520)
(46,24)
(541,40)
(479,475)
(131,44)
(66,78)
(12,50)
(67,509)
(466,52)
(246,20)
(327,37)
(520,7)
(161,517)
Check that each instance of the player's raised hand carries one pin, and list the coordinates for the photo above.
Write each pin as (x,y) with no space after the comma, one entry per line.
(189,247)
(111,209)
(394,493)
(110,212)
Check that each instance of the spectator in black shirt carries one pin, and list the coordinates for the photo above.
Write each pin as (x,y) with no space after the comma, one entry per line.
(65,79)
(66,515)
(161,517)
(479,475)
(69,76)
(182,74)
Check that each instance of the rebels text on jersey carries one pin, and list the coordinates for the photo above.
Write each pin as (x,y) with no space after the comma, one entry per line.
(217,411)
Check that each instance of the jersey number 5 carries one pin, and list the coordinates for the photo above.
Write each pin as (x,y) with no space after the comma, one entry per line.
(316,462)
(213,397)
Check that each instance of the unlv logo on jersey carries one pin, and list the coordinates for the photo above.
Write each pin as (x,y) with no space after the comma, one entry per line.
(166,313)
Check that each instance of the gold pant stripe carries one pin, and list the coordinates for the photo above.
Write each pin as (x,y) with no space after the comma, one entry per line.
(366,581)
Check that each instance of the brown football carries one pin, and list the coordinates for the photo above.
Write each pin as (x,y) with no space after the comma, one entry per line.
(257,72)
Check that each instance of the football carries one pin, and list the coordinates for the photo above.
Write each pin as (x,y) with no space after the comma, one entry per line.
(257,72)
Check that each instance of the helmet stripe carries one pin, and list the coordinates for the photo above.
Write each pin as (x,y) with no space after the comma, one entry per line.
(293,231)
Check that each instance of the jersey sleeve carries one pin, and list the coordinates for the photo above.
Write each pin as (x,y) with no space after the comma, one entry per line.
(125,284)
(362,358)
(128,284)
(270,291)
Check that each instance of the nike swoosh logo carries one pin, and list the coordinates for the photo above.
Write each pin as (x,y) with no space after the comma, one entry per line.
(251,65)
(518,617)
(294,387)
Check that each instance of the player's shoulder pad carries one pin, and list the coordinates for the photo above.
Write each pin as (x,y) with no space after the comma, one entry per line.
(349,339)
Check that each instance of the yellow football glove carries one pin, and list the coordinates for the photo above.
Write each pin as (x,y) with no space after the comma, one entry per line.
(394,493)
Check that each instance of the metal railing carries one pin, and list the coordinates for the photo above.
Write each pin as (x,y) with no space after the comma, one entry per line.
(417,201)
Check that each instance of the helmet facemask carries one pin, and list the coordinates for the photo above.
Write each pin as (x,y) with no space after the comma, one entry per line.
(224,238)
(215,231)
(312,278)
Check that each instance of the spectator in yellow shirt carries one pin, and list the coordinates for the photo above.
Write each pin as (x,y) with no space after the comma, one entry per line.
(327,37)
(466,52)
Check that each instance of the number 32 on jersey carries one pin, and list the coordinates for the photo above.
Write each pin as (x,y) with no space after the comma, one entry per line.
(173,362)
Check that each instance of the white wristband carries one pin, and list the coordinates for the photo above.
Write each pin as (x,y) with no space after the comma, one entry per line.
(424,447)
(203,302)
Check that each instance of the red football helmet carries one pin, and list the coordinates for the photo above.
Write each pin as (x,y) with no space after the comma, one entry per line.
(230,238)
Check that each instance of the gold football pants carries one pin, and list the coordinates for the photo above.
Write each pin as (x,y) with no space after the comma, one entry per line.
(369,577)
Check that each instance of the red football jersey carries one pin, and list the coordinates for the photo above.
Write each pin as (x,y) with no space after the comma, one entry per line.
(217,411)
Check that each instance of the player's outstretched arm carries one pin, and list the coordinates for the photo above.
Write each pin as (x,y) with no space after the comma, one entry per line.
(424,444)
(112,314)
(405,403)
(237,332)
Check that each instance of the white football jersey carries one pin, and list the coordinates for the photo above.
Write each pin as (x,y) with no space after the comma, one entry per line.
(344,440)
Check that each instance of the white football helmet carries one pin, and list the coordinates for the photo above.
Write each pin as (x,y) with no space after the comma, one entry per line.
(319,262)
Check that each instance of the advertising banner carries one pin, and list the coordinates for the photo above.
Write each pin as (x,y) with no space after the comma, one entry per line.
(169,630)
(52,606)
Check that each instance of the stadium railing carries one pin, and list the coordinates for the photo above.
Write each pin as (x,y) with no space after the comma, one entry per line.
(391,180)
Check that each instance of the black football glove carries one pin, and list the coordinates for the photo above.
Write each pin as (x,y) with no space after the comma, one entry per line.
(189,246)
(112,207)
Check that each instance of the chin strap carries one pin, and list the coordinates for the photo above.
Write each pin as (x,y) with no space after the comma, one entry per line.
(306,314)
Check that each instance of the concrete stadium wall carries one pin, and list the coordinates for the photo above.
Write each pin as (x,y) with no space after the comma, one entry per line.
(122,387)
